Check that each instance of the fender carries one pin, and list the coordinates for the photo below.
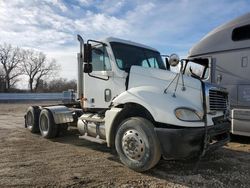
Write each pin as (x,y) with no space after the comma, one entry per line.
(161,105)
(61,114)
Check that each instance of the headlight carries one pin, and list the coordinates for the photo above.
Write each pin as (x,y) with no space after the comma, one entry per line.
(187,114)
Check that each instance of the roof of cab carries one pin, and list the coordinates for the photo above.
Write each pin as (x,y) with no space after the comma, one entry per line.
(220,39)
(112,39)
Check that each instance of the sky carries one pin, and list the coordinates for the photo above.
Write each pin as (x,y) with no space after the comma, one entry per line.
(171,26)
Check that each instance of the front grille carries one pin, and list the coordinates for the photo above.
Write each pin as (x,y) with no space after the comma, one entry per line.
(217,100)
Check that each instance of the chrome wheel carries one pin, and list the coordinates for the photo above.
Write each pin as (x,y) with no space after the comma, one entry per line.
(32,119)
(29,120)
(137,144)
(133,145)
(44,124)
(47,125)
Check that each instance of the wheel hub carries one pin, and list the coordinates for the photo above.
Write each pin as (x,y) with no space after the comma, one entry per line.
(133,145)
(29,119)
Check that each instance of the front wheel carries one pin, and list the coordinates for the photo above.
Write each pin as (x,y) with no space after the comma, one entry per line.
(137,144)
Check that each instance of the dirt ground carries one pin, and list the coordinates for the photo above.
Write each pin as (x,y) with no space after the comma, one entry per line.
(27,160)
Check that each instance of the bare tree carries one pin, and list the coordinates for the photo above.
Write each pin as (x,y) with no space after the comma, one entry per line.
(2,80)
(10,59)
(61,84)
(1,72)
(36,66)
(57,85)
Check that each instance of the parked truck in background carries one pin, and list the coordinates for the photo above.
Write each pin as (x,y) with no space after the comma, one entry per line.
(128,100)
(222,57)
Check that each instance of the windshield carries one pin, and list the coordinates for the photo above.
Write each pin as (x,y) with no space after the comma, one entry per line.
(128,55)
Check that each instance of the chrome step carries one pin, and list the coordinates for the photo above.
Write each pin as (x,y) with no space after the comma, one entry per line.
(93,139)
(92,118)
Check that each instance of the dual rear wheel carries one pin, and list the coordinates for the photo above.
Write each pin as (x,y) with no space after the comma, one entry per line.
(42,121)
(47,126)
(32,119)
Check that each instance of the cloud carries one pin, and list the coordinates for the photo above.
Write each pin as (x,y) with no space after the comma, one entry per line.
(48,23)
(59,4)
(170,26)
(40,24)
(85,2)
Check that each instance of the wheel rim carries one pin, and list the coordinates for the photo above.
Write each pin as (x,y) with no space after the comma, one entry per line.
(133,145)
(44,124)
(29,120)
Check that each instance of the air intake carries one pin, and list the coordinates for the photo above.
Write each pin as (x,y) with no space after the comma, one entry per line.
(217,100)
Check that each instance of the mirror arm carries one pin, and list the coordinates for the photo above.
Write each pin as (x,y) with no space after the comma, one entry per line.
(185,66)
(99,42)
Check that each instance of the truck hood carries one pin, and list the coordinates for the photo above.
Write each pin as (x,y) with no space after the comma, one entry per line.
(147,87)
(159,77)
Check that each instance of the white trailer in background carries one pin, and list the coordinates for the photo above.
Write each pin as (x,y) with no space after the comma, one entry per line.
(128,100)
(224,58)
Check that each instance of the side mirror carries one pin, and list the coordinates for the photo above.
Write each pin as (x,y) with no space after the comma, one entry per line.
(174,60)
(87,68)
(87,56)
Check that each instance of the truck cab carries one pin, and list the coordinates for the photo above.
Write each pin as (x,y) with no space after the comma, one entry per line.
(128,100)
(111,66)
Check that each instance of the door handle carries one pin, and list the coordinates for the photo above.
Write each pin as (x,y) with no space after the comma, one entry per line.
(107,95)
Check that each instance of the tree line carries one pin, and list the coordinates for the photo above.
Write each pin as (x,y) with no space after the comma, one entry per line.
(15,63)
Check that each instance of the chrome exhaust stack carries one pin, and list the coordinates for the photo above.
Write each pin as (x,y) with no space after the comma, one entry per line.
(80,84)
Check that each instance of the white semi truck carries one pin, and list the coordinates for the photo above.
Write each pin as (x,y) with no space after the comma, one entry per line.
(128,100)
(222,57)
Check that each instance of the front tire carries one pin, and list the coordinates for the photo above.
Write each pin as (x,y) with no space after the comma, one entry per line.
(47,126)
(137,144)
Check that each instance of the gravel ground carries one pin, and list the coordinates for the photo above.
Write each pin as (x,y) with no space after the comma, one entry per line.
(27,160)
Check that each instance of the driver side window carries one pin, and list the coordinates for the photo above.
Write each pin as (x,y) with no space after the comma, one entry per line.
(100,59)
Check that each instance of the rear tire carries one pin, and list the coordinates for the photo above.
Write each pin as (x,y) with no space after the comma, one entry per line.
(32,119)
(47,126)
(137,144)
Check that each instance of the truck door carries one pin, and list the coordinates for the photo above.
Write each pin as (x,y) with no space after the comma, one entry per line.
(101,85)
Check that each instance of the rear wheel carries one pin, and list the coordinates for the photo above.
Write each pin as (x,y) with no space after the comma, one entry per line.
(47,126)
(137,144)
(32,119)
